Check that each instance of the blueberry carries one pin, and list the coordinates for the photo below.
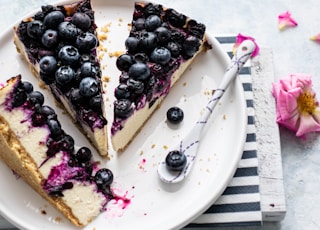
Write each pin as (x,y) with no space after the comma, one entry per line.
(36,98)
(123,108)
(176,19)
(20,96)
(139,71)
(152,22)
(122,92)
(95,103)
(131,44)
(67,143)
(139,24)
(54,127)
(174,49)
(190,46)
(74,95)
(176,160)
(48,65)
(124,62)
(27,86)
(163,35)
(35,29)
(53,19)
(88,87)
(135,86)
(47,78)
(86,42)
(81,20)
(83,154)
(160,55)
(67,31)
(103,178)
(148,41)
(46,110)
(88,69)
(38,119)
(65,75)
(69,55)
(175,115)
(50,38)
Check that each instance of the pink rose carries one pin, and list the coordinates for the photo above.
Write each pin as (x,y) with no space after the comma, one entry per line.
(296,104)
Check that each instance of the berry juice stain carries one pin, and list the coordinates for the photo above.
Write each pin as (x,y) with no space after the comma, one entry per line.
(142,164)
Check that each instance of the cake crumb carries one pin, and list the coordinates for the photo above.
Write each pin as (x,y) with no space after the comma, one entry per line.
(116,53)
(165,147)
(224,116)
(43,212)
(106,28)
(184,83)
(102,37)
(58,219)
(105,78)
(153,146)
(141,152)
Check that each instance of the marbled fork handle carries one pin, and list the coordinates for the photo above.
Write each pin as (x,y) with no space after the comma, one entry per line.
(189,144)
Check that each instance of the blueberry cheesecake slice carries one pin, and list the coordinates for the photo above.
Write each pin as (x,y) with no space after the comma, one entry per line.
(162,43)
(35,146)
(60,45)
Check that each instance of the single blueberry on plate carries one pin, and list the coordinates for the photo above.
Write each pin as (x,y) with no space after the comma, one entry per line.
(175,115)
(160,55)
(139,71)
(88,87)
(175,160)
(103,178)
(53,19)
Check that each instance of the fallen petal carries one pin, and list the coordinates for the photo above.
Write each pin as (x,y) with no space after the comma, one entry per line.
(315,38)
(240,38)
(285,20)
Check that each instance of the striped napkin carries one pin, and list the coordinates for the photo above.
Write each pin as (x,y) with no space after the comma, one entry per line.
(240,202)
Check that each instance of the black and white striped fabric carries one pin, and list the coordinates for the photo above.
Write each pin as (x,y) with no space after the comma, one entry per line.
(239,205)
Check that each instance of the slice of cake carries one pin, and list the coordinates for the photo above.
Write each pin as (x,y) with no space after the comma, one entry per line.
(60,45)
(35,146)
(162,43)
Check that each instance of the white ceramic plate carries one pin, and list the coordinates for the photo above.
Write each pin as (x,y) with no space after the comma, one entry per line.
(153,205)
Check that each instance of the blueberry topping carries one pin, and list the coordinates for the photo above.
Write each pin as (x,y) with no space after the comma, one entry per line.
(139,24)
(54,127)
(135,86)
(50,38)
(86,42)
(83,155)
(131,44)
(176,160)
(152,22)
(124,62)
(67,31)
(103,178)
(175,115)
(88,69)
(88,87)
(53,19)
(64,76)
(139,71)
(190,46)
(123,108)
(69,55)
(47,78)
(19,98)
(122,92)
(35,97)
(35,29)
(160,55)
(163,35)
(48,65)
(148,41)
(95,103)
(174,49)
(27,86)
(75,95)
(81,20)
(176,19)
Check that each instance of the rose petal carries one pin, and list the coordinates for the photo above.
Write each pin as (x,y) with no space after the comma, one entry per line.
(240,38)
(285,20)
(307,124)
(315,38)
